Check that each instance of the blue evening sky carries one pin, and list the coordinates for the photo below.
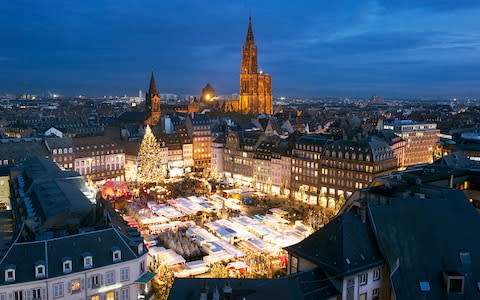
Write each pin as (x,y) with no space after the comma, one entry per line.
(396,48)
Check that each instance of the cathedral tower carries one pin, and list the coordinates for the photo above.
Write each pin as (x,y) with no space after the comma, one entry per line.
(152,101)
(255,87)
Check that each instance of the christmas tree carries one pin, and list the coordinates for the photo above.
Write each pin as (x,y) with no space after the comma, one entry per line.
(150,161)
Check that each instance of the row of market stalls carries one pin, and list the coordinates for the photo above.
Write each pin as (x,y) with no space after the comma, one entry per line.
(223,241)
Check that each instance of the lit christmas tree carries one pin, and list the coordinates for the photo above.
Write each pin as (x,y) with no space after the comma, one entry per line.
(149,157)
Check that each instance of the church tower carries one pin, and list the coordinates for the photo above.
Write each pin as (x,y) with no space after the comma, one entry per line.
(255,87)
(152,101)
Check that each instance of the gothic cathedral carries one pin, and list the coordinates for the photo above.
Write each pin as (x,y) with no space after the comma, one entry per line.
(152,101)
(255,86)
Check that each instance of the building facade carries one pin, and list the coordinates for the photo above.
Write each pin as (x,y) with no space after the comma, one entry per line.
(306,167)
(218,146)
(199,131)
(420,137)
(347,166)
(99,159)
(281,171)
(238,156)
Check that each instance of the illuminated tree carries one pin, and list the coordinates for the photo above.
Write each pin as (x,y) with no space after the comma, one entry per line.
(150,160)
(163,282)
(218,270)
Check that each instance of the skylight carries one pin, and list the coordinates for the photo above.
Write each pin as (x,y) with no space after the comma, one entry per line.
(424,286)
(465,258)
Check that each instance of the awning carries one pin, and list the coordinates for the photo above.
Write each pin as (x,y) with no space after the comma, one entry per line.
(145,278)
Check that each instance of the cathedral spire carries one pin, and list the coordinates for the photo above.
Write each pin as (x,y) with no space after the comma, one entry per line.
(250,32)
(152,90)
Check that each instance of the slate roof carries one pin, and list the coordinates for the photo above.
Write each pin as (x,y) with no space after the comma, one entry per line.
(251,289)
(132,116)
(19,151)
(97,243)
(56,142)
(421,237)
(311,285)
(345,245)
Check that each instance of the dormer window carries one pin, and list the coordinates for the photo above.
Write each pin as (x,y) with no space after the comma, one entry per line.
(67,265)
(10,274)
(116,254)
(465,258)
(424,286)
(140,249)
(40,269)
(454,282)
(87,261)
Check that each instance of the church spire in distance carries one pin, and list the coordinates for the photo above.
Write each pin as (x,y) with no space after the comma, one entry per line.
(153,86)
(250,38)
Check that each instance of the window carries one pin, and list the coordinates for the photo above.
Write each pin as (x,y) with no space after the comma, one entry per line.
(363,296)
(58,290)
(424,286)
(95,297)
(363,279)
(18,295)
(10,274)
(294,265)
(75,286)
(67,265)
(465,258)
(455,284)
(142,267)
(3,296)
(110,277)
(95,281)
(124,274)
(376,294)
(39,271)
(110,295)
(125,294)
(140,249)
(87,261)
(36,294)
(376,275)
(350,289)
(117,254)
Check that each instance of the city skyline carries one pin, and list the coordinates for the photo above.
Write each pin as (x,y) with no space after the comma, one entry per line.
(320,49)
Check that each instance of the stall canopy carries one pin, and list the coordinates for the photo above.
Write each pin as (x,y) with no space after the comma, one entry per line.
(145,278)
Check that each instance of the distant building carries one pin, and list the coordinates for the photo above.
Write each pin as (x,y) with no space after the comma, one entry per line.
(347,166)
(306,167)
(199,131)
(13,151)
(238,156)
(99,159)
(421,138)
(61,151)
(218,146)
(208,93)
(152,104)
(255,86)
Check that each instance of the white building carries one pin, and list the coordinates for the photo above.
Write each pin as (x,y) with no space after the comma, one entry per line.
(217,155)
(62,244)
